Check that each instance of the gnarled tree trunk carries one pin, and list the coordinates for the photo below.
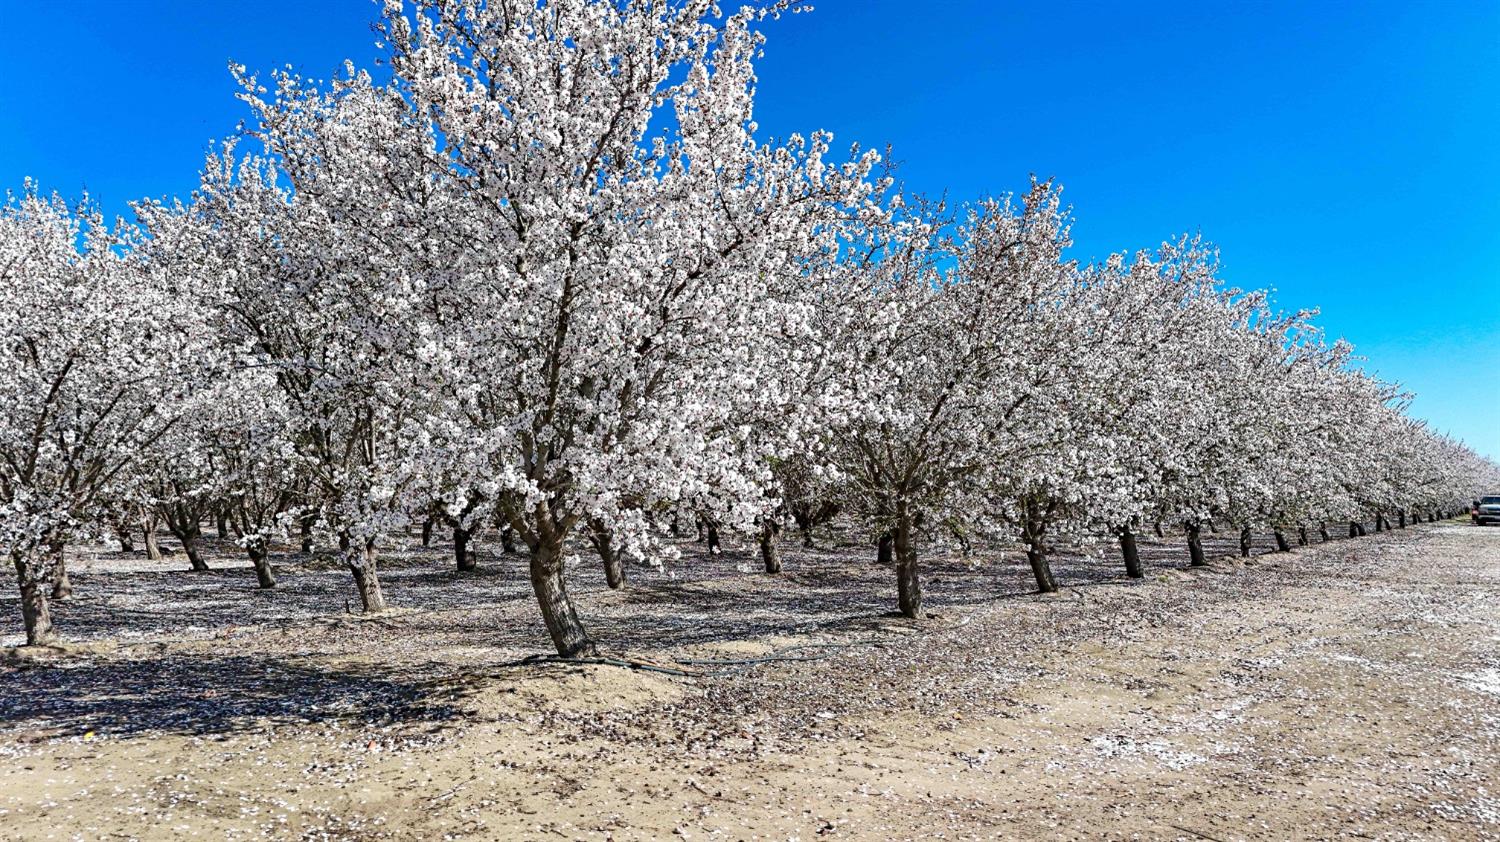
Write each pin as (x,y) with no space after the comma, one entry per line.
(885,547)
(1033,531)
(34,574)
(769,553)
(803,517)
(1131,554)
(558,612)
(362,563)
(1195,546)
(1041,570)
(1302,536)
(1281,542)
(604,544)
(427,524)
(190,546)
(714,547)
(153,548)
(1323,531)
(306,523)
(508,540)
(62,586)
(463,554)
(908,579)
(126,536)
(260,560)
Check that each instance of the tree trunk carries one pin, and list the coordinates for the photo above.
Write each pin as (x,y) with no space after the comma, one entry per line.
(1131,553)
(126,538)
(547,581)
(1323,531)
(885,548)
(714,548)
(1400,518)
(614,565)
(307,522)
(804,524)
(769,553)
(1245,542)
(1195,546)
(463,555)
(259,559)
(34,578)
(1301,536)
(1033,532)
(1379,522)
(1353,529)
(908,581)
(1213,528)
(221,523)
(153,549)
(1041,570)
(362,564)
(190,546)
(508,540)
(62,586)
(427,525)
(1160,533)
(1281,543)
(614,570)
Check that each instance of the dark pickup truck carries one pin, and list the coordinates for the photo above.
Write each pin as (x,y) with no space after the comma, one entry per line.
(1486,510)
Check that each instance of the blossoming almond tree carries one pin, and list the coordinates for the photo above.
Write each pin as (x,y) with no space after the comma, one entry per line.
(99,358)
(941,354)
(1141,368)
(620,323)
(313,282)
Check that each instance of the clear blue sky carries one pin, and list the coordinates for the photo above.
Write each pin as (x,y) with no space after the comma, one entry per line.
(1345,154)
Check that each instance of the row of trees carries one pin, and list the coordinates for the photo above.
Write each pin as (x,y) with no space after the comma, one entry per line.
(547,277)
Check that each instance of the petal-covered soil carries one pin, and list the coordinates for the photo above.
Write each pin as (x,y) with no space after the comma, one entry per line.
(1347,689)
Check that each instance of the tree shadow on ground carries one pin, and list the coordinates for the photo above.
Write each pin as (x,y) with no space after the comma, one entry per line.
(698,599)
(200,695)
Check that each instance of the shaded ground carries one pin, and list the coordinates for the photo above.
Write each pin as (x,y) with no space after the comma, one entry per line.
(122,596)
(1350,689)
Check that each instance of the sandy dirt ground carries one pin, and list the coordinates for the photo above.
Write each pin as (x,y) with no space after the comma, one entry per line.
(1343,690)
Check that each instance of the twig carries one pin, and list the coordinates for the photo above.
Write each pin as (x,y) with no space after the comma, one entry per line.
(643,666)
(1198,833)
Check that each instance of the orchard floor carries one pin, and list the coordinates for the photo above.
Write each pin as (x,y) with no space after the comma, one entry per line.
(1350,689)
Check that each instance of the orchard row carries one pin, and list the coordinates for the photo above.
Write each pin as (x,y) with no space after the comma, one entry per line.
(545,274)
